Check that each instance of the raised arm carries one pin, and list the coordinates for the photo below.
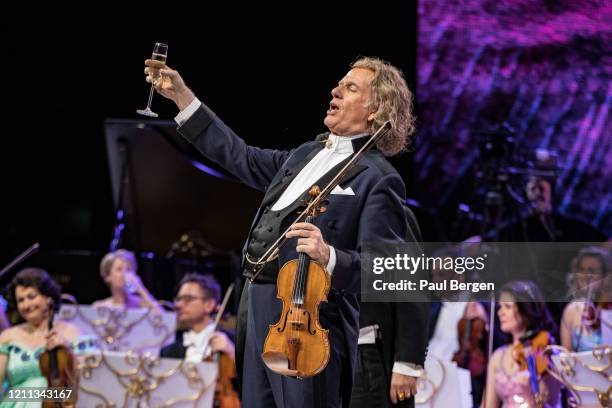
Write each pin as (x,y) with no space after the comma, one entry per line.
(214,139)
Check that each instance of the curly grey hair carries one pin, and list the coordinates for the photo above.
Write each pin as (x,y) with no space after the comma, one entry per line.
(393,101)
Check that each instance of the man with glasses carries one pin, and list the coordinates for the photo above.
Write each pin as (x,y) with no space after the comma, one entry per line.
(197,298)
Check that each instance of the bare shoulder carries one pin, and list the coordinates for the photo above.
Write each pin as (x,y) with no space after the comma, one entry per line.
(10,334)
(575,306)
(497,355)
(573,311)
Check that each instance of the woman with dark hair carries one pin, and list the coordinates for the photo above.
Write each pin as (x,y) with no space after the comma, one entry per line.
(523,315)
(35,296)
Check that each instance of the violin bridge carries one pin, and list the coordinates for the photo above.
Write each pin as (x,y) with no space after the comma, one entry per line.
(297,325)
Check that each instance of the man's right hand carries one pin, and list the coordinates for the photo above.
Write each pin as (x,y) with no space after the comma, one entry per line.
(170,85)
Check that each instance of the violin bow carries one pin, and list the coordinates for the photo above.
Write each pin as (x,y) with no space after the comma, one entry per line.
(20,258)
(489,341)
(220,314)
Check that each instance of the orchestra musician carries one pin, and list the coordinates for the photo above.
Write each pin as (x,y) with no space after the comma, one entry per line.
(119,270)
(196,300)
(513,382)
(36,297)
(198,338)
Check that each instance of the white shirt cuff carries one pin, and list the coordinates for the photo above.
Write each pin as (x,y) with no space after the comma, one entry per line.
(412,370)
(188,112)
(331,264)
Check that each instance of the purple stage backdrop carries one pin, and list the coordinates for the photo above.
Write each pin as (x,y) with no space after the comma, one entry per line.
(544,67)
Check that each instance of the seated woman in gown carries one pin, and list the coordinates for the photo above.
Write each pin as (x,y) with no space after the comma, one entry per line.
(522,313)
(35,296)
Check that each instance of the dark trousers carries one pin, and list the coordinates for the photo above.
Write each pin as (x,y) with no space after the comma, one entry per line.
(263,388)
(372,381)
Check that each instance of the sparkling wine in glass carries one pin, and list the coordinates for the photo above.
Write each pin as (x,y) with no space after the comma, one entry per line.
(160,53)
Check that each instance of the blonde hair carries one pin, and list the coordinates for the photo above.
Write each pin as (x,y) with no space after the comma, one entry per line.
(106,263)
(393,102)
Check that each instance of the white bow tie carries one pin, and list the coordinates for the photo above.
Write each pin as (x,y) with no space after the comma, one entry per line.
(197,344)
(192,338)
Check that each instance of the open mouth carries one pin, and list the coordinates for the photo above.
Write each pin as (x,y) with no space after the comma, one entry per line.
(332,108)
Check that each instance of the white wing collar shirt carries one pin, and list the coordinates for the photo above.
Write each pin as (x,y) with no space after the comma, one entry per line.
(196,343)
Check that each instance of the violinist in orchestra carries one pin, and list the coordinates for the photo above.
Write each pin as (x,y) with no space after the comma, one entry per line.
(590,287)
(119,270)
(366,206)
(197,299)
(198,338)
(36,297)
(517,372)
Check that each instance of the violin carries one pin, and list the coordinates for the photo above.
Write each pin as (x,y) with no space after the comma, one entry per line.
(471,355)
(297,345)
(59,367)
(533,360)
(226,395)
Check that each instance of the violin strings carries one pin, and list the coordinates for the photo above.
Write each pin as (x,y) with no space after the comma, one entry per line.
(303,264)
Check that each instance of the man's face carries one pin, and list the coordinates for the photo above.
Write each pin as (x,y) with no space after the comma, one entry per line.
(192,306)
(348,112)
(539,194)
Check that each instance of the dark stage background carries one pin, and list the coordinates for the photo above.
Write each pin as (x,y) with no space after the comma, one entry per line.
(544,68)
(269,79)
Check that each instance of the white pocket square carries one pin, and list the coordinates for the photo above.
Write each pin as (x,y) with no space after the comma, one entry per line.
(340,191)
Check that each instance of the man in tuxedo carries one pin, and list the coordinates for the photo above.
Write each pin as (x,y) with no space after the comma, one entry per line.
(197,298)
(365,207)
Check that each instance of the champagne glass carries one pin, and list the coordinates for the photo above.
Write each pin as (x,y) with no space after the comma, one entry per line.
(160,52)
